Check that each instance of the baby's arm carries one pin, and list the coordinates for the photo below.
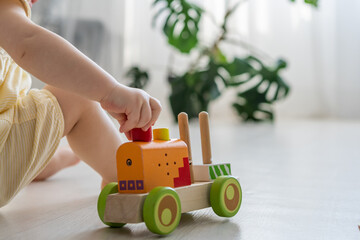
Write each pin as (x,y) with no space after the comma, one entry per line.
(49,57)
(56,62)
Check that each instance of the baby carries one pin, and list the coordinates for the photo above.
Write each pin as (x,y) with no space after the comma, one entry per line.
(32,122)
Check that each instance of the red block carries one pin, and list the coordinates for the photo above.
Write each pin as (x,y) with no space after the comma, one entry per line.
(138,135)
(184,178)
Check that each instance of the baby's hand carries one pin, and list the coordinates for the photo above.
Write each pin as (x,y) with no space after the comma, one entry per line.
(132,108)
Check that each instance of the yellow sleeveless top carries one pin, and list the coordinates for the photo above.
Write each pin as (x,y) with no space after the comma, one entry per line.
(13,82)
(31,126)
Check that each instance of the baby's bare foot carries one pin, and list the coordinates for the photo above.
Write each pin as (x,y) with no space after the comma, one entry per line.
(64,157)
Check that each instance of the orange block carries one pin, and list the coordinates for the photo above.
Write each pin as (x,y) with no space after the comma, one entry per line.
(141,166)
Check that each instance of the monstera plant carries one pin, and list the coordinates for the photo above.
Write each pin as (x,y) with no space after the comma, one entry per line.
(212,72)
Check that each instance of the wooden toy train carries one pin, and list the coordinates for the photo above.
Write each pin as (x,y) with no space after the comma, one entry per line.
(157,181)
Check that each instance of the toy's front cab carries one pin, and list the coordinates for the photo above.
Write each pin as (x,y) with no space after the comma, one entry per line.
(141,166)
(130,168)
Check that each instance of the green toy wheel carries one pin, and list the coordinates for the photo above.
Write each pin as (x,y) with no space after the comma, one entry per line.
(162,210)
(107,190)
(225,196)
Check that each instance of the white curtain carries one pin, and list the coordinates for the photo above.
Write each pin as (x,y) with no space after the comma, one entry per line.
(94,27)
(321,46)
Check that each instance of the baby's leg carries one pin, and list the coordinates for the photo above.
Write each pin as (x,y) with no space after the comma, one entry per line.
(90,132)
(64,157)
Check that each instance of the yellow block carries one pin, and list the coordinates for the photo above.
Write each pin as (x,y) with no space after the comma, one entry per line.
(161,134)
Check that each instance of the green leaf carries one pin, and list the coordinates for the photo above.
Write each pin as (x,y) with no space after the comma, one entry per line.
(139,78)
(254,106)
(193,91)
(310,2)
(239,66)
(254,103)
(183,98)
(271,77)
(236,68)
(182,23)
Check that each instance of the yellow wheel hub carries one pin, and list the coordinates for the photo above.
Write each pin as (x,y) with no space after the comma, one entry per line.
(166,216)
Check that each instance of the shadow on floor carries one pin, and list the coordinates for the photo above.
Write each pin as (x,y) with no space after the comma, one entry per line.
(195,225)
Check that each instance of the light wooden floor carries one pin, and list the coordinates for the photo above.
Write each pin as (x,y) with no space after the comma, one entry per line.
(300,180)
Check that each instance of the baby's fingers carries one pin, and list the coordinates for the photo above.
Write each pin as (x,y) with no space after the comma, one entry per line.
(128,135)
(120,117)
(131,122)
(155,112)
(145,117)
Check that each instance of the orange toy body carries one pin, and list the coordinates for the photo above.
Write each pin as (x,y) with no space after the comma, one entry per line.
(141,166)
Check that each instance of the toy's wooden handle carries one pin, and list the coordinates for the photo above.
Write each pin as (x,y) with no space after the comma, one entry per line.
(205,137)
(185,136)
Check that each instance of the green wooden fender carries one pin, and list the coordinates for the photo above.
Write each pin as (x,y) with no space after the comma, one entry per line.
(101,204)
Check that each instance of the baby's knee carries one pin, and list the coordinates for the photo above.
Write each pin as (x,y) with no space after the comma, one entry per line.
(73,107)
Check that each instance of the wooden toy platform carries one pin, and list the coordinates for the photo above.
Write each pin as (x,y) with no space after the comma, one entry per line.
(127,208)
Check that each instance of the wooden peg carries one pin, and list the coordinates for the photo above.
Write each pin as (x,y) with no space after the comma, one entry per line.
(205,137)
(185,136)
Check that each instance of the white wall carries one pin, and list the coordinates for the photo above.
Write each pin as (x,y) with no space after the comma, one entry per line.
(348,58)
